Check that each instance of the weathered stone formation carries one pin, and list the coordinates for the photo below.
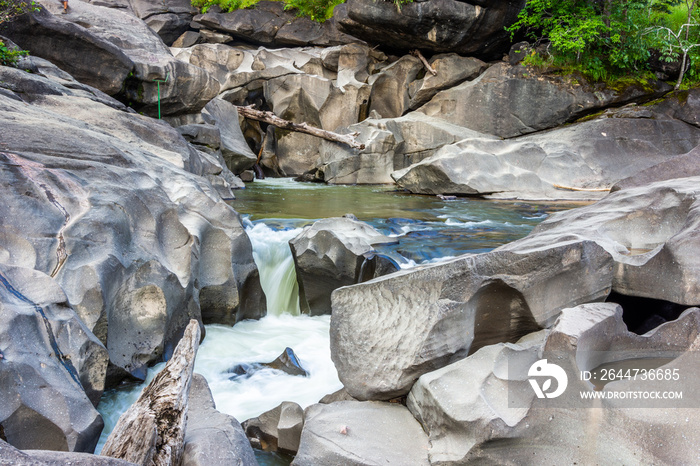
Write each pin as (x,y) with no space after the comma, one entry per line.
(116,53)
(211,437)
(330,254)
(278,429)
(466,27)
(635,242)
(270,24)
(112,238)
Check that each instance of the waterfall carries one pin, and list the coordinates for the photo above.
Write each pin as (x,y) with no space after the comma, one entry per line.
(273,257)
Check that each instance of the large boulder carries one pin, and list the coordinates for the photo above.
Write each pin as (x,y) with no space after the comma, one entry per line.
(650,231)
(270,23)
(508,101)
(213,438)
(234,149)
(580,161)
(483,408)
(115,52)
(329,254)
(12,456)
(168,18)
(387,332)
(278,429)
(361,434)
(110,217)
(469,28)
(391,144)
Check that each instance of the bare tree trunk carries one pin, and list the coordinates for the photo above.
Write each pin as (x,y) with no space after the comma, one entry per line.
(152,431)
(682,72)
(271,118)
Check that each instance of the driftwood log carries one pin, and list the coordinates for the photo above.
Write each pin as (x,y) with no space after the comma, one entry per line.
(571,188)
(271,118)
(152,431)
(416,53)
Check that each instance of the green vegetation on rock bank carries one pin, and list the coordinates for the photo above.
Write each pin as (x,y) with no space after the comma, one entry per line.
(606,39)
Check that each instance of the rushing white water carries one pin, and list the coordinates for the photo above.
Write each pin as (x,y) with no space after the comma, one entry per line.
(254,342)
(276,265)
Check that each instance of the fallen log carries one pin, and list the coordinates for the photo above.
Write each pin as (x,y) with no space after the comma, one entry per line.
(152,431)
(416,53)
(570,188)
(272,119)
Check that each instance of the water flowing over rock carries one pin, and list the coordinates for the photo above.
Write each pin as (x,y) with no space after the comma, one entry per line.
(361,434)
(469,28)
(497,418)
(116,53)
(329,254)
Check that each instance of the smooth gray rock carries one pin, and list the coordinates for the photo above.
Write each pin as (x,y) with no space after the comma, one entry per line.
(588,157)
(391,144)
(168,18)
(390,94)
(329,254)
(187,39)
(508,101)
(650,232)
(213,438)
(234,149)
(117,53)
(387,332)
(474,28)
(451,69)
(361,433)
(9,455)
(483,409)
(278,429)
(125,223)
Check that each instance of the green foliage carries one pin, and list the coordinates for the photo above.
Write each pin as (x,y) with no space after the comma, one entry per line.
(605,39)
(9,57)
(10,9)
(318,10)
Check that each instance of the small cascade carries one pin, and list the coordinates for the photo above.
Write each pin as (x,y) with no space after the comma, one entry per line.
(275,263)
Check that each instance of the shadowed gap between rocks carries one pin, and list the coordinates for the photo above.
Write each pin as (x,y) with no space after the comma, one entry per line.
(644,314)
(501,314)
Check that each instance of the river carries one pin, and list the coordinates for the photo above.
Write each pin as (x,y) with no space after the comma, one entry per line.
(428,229)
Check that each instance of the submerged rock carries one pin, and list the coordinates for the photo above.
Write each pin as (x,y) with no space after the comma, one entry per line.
(329,254)
(287,362)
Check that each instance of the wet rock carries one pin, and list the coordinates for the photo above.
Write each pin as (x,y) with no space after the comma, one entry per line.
(430,316)
(508,101)
(213,438)
(287,362)
(469,28)
(116,53)
(268,23)
(278,429)
(361,433)
(579,161)
(329,254)
(497,418)
(376,265)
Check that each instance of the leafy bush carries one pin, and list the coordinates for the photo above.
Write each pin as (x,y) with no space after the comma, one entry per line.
(9,57)
(10,9)
(318,10)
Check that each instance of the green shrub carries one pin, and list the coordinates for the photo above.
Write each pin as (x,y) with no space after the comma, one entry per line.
(9,57)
